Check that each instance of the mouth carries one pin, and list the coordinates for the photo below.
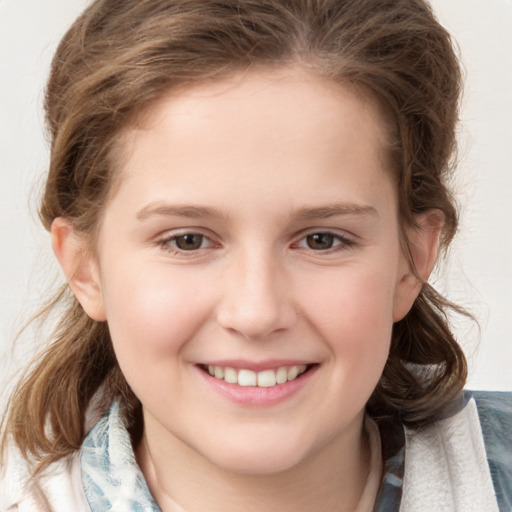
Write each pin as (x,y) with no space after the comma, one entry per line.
(268,378)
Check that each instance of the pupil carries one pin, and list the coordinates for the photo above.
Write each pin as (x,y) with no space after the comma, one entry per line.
(320,241)
(189,242)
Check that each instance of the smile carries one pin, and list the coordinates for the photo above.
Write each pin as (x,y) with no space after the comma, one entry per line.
(262,379)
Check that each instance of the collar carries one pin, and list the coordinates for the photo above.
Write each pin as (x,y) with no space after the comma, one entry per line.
(111,477)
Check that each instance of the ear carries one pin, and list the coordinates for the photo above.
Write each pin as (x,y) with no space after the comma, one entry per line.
(423,248)
(79,266)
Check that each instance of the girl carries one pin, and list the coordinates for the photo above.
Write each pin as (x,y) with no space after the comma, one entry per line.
(247,198)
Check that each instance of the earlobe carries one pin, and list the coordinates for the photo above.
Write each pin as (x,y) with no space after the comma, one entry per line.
(79,267)
(423,244)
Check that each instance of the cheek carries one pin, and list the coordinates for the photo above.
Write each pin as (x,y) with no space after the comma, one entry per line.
(354,299)
(152,314)
(353,312)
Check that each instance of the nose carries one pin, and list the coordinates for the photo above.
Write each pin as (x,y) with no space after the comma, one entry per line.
(256,301)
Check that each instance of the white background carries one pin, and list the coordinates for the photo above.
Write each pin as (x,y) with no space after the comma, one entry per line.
(479,270)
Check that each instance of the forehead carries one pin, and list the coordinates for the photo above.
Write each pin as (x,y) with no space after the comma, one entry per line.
(292,92)
(262,124)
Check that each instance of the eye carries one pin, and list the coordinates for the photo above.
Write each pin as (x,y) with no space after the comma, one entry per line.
(320,241)
(185,242)
(189,241)
(324,241)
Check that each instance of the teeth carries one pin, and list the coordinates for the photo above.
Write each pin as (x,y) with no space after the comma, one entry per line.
(281,375)
(246,378)
(230,375)
(266,379)
(263,379)
(292,373)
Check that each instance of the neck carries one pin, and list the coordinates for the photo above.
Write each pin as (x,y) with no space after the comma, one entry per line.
(332,479)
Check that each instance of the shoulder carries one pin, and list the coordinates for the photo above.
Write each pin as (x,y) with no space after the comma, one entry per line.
(59,489)
(494,410)
(495,415)
(463,462)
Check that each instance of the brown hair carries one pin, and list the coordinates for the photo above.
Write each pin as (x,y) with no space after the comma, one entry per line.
(120,56)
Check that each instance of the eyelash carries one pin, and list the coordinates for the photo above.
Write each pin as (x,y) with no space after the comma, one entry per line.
(338,243)
(168,243)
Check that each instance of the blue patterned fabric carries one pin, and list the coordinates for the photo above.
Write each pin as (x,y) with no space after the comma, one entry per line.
(112,480)
(495,411)
(393,455)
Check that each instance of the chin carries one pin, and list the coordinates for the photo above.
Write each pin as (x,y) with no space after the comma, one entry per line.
(259,458)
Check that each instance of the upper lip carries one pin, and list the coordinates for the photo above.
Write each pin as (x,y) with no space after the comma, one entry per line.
(256,366)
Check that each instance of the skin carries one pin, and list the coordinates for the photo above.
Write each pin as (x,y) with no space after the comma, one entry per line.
(252,165)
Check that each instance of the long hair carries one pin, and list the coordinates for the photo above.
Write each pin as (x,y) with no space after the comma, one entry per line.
(120,56)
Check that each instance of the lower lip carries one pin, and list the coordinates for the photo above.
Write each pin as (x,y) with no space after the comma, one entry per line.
(254,395)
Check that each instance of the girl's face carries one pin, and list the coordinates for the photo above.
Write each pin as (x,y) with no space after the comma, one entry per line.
(253,236)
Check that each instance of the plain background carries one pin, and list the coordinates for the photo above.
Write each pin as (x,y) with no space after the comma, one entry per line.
(477,275)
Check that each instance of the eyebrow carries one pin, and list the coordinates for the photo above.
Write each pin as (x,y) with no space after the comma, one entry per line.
(324,212)
(190,211)
(197,212)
